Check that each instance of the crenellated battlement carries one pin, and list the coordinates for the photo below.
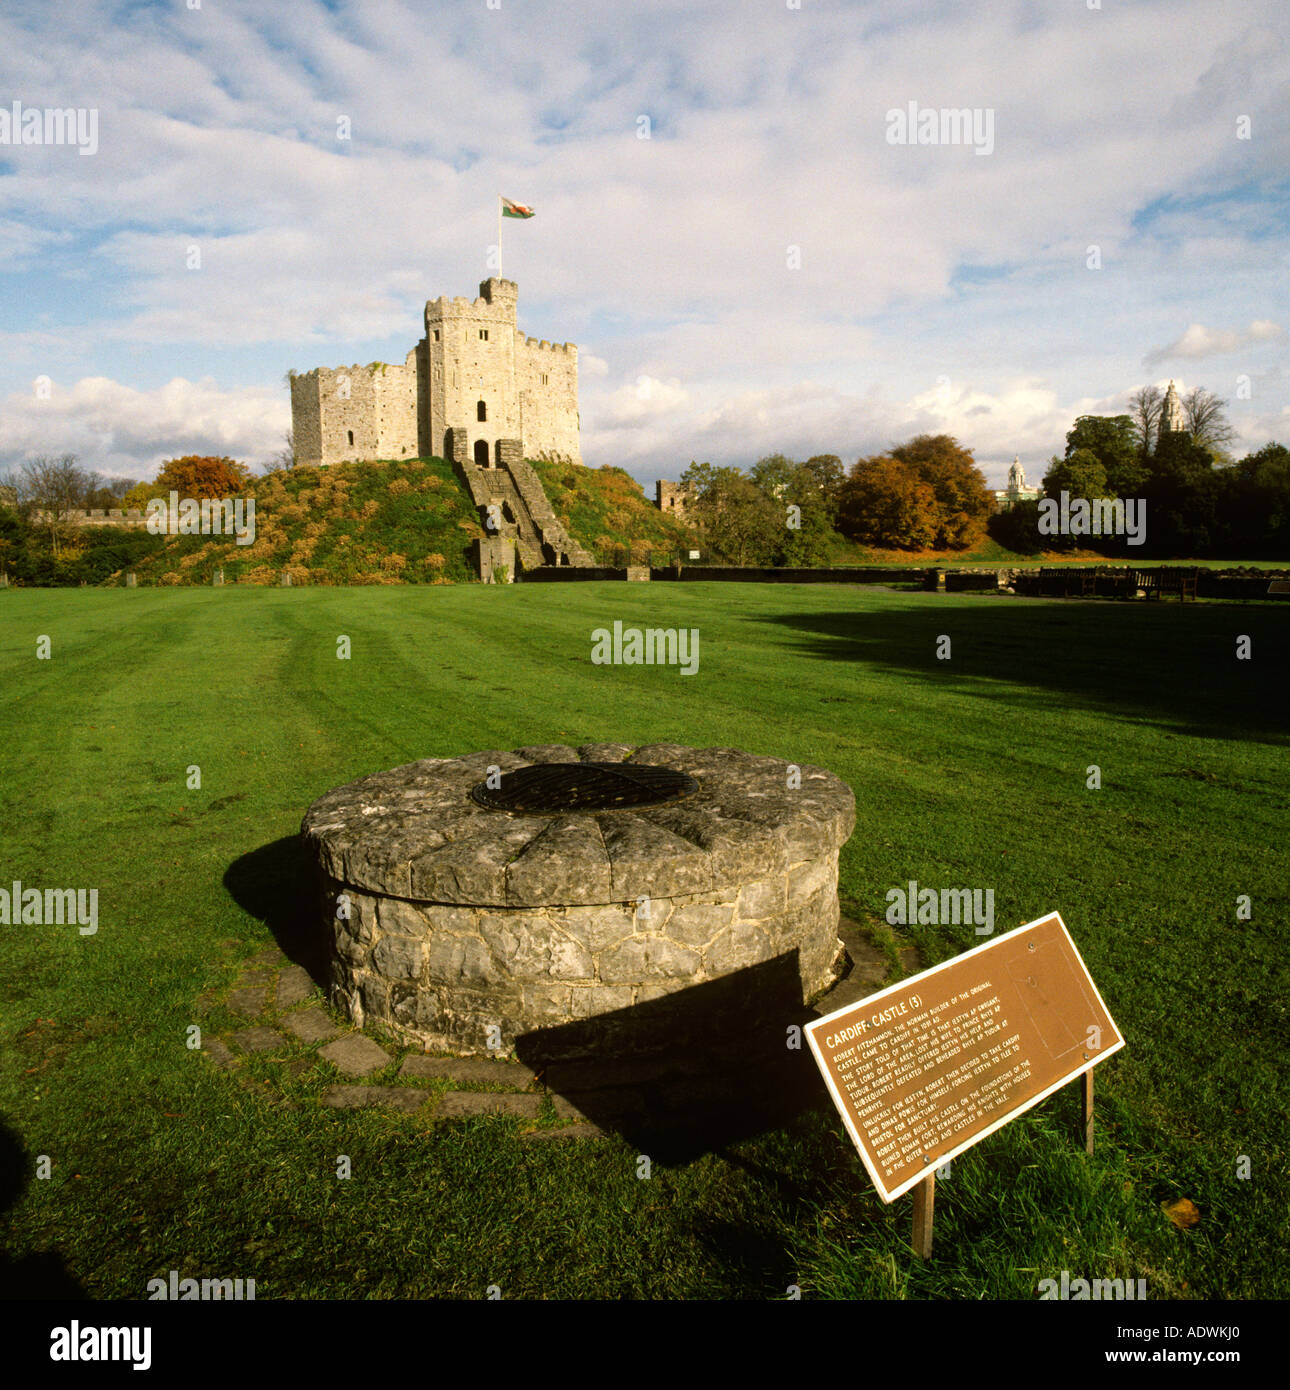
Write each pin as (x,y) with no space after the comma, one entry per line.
(541,345)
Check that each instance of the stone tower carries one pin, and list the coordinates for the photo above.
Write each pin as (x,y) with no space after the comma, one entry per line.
(1172,419)
(1016,476)
(471,383)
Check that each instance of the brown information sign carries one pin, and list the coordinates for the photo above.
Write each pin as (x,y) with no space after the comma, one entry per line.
(924,1069)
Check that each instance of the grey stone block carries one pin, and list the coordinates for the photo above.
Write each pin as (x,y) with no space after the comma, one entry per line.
(587,1001)
(454,960)
(457,1105)
(311,1025)
(736,948)
(469,1071)
(248,1002)
(573,1131)
(529,946)
(258,1039)
(359,1097)
(398,957)
(697,923)
(762,899)
(642,956)
(355,1055)
(219,1053)
(294,985)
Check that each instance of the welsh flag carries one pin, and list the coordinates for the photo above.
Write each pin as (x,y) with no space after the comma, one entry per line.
(510,209)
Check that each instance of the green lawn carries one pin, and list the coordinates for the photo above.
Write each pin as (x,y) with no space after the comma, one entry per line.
(967,772)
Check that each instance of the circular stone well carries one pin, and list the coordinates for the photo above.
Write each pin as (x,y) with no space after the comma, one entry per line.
(462,925)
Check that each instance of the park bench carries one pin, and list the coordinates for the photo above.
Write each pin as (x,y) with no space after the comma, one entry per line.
(1156,583)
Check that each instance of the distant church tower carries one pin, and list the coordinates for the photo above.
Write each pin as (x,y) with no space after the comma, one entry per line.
(1172,420)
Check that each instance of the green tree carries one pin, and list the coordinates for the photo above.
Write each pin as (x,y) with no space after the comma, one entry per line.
(736,518)
(772,474)
(1080,474)
(1115,441)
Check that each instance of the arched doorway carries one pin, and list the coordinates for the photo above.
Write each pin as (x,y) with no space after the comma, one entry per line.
(481,453)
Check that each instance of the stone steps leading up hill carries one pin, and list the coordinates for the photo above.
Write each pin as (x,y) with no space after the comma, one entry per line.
(512,502)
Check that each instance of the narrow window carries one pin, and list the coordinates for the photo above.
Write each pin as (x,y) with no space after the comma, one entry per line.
(544,378)
(351,435)
(483,333)
(481,411)
(436,335)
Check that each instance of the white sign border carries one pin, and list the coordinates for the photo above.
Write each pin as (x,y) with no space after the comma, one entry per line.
(903,986)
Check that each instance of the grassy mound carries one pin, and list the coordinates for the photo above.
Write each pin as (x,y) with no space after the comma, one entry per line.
(400,522)
(405,521)
(607,511)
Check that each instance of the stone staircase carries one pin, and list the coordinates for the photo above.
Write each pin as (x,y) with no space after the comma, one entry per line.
(548,527)
(513,506)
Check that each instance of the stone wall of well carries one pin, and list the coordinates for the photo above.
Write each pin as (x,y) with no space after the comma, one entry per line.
(441,975)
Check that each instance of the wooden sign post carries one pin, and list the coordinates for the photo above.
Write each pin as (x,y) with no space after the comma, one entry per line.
(926,1068)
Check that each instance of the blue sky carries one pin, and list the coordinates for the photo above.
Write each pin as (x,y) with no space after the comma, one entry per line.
(933,288)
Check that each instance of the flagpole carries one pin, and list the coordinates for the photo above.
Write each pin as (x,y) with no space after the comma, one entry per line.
(499,236)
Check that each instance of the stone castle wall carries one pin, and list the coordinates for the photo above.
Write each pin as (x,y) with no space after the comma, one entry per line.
(98,516)
(471,351)
(546,381)
(670,498)
(345,414)
(473,371)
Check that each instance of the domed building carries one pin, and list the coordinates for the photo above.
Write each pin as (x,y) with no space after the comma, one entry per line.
(1016,491)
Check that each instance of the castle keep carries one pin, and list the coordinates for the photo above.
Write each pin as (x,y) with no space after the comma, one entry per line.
(472,384)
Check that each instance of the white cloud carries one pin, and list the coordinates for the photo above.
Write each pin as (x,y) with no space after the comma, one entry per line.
(645,398)
(114,429)
(1199,341)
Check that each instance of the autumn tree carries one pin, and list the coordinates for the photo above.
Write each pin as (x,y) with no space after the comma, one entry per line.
(200,476)
(963,499)
(885,503)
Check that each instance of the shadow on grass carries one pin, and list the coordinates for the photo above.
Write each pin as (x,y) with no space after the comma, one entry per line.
(275,884)
(44,1274)
(1173,664)
(692,1072)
